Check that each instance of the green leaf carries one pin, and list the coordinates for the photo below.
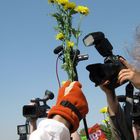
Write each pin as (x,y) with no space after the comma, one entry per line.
(59,18)
(72,12)
(83,138)
(55,15)
(76,33)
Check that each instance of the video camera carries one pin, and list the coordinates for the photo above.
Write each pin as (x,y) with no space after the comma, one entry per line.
(135,111)
(37,110)
(99,73)
(133,98)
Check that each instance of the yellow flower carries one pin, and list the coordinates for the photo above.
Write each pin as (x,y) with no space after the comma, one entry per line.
(106,120)
(69,5)
(103,110)
(70,44)
(63,82)
(51,1)
(62,2)
(82,9)
(60,36)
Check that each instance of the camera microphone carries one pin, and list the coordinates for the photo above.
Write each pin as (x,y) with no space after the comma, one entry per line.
(48,95)
(58,49)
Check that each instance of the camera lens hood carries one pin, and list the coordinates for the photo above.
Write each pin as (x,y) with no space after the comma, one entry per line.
(99,73)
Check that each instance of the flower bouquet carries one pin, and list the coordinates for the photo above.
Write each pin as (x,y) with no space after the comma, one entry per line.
(67,34)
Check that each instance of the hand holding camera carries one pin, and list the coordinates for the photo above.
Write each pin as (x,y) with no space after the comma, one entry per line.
(129,73)
(99,73)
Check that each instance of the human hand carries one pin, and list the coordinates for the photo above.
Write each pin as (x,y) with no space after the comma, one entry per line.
(32,121)
(106,87)
(130,73)
(71,104)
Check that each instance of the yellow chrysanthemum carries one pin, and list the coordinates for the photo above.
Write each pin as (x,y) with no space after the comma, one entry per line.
(106,120)
(69,5)
(63,82)
(62,2)
(82,9)
(51,1)
(60,36)
(70,44)
(103,110)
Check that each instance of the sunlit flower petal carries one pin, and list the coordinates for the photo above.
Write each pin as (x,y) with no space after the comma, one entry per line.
(69,5)
(106,120)
(60,36)
(63,82)
(70,44)
(104,110)
(51,1)
(62,2)
(82,9)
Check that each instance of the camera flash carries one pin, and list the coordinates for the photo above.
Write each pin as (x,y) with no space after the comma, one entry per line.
(88,41)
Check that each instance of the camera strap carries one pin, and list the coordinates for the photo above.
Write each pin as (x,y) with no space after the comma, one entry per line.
(72,107)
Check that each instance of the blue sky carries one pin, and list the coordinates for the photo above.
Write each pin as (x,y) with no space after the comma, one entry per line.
(27,41)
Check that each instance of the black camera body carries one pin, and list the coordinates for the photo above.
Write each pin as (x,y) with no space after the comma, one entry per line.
(109,70)
(39,108)
(135,113)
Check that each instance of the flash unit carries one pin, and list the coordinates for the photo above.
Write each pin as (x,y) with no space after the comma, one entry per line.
(93,38)
(88,40)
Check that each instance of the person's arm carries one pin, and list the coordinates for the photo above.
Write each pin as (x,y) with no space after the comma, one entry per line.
(32,121)
(130,73)
(33,125)
(71,104)
(112,100)
(75,136)
(64,117)
(61,119)
(118,120)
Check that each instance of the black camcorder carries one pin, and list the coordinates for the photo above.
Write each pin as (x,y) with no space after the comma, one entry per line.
(37,110)
(99,72)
